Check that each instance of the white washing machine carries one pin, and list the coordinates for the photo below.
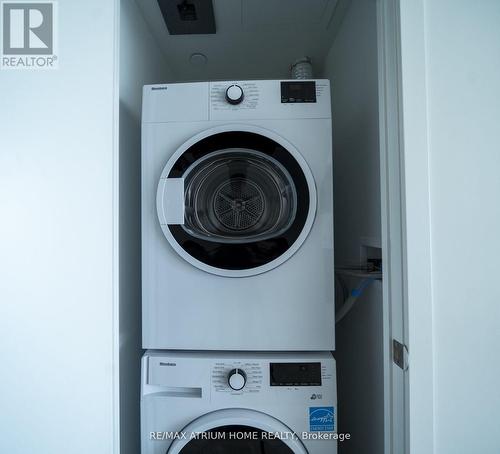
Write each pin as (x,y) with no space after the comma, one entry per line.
(245,403)
(237,216)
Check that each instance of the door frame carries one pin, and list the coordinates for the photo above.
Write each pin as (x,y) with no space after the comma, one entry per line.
(406,236)
(394,314)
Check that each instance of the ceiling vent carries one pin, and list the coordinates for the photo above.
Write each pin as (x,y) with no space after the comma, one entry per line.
(188,17)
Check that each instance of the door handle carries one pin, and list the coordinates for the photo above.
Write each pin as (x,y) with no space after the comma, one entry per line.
(170,201)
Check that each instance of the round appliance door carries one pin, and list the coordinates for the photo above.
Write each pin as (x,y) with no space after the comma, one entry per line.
(236,200)
(239,431)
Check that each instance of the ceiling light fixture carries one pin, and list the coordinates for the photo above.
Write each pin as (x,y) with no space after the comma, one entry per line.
(198,59)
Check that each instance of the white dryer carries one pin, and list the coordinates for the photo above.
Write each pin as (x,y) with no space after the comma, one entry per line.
(237,217)
(281,403)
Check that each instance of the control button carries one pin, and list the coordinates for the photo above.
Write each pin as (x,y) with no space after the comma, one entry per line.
(237,379)
(234,94)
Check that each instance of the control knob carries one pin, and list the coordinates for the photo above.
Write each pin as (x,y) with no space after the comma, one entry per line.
(237,379)
(234,94)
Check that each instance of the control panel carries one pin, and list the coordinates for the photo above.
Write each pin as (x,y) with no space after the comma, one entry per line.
(231,379)
(242,377)
(298,91)
(295,374)
(268,99)
(226,96)
(237,100)
(237,377)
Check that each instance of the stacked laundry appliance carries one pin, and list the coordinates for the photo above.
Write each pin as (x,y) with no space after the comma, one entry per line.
(237,263)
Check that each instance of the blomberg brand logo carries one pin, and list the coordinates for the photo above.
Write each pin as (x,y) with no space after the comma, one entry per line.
(28,35)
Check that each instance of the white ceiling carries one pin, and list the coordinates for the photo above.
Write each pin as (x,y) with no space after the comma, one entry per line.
(254,39)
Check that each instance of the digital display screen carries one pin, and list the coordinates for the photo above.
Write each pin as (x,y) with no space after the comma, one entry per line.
(295,374)
(295,92)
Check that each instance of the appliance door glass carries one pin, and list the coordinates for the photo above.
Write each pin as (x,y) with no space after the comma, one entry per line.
(235,439)
(238,196)
(239,431)
(246,199)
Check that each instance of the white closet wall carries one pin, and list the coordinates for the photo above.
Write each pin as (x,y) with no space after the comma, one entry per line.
(141,62)
(57,242)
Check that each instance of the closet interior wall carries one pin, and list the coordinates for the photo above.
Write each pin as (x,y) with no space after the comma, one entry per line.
(141,62)
(352,67)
